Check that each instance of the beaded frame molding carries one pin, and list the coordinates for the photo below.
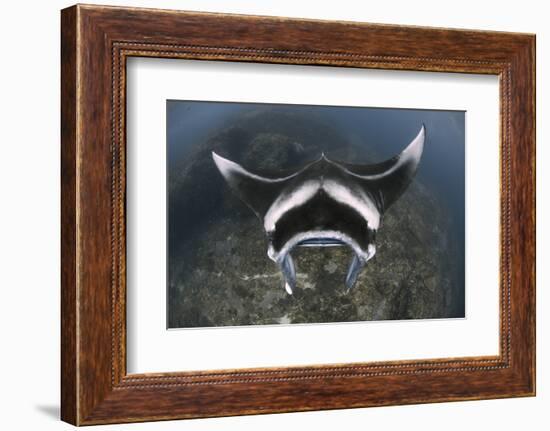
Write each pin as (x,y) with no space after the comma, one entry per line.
(95,43)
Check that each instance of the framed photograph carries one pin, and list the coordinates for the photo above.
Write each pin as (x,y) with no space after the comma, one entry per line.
(264,214)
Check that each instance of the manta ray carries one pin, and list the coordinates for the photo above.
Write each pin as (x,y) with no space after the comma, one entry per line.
(326,203)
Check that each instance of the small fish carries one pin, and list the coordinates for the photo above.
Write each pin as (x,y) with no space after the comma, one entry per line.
(324,204)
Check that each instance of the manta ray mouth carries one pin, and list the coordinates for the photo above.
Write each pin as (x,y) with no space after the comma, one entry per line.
(321,239)
(321,242)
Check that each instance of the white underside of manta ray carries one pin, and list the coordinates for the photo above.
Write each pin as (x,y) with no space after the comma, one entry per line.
(324,204)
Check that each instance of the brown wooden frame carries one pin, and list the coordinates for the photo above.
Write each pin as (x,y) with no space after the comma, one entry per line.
(95,43)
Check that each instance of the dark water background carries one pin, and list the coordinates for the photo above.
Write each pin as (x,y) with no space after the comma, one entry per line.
(192,125)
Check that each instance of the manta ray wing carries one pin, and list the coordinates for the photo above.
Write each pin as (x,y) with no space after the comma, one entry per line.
(256,191)
(388,180)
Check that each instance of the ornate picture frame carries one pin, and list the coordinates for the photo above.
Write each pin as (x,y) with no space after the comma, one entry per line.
(96,42)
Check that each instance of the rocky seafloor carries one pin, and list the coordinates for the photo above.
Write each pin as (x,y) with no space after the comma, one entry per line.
(219,272)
